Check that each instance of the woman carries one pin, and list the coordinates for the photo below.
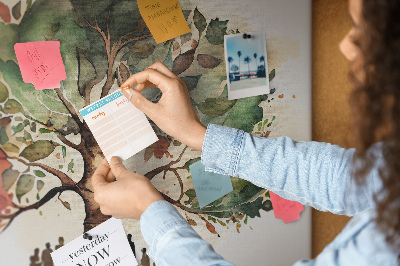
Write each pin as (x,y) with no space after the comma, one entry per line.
(362,182)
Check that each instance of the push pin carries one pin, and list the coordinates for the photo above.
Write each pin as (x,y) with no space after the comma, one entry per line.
(246,36)
(87,236)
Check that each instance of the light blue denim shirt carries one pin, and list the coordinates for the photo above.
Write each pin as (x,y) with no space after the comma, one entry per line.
(312,173)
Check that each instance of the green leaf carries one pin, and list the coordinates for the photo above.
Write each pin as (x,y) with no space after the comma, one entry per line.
(214,107)
(199,21)
(267,205)
(38,150)
(265,121)
(191,193)
(71,166)
(39,185)
(60,166)
(16,10)
(251,209)
(212,219)
(12,107)
(9,177)
(245,114)
(190,162)
(39,173)
(64,151)
(45,130)
(3,136)
(259,126)
(245,219)
(37,196)
(272,75)
(27,135)
(177,143)
(24,185)
(18,128)
(3,92)
(33,126)
(10,147)
(273,118)
(216,31)
(221,222)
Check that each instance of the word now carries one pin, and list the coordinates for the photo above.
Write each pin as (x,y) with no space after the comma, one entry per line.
(94,260)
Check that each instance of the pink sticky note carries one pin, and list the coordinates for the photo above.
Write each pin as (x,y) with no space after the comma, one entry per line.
(284,209)
(41,63)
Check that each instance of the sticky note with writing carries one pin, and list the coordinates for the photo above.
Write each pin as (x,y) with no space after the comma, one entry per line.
(108,246)
(164,18)
(118,126)
(284,209)
(41,63)
(209,186)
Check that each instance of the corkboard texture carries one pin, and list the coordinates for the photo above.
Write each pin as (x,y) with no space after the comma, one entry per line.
(331,89)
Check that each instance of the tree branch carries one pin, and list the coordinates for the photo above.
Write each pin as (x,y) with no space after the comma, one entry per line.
(180,183)
(69,143)
(69,107)
(39,203)
(158,170)
(133,39)
(65,179)
(106,40)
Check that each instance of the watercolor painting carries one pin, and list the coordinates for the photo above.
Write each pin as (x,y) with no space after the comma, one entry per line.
(47,152)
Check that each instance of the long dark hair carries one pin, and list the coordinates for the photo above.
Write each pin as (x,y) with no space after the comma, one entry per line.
(375,101)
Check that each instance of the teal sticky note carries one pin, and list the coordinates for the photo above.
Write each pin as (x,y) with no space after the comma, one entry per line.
(209,186)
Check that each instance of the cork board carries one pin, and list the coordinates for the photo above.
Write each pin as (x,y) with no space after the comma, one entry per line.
(331,89)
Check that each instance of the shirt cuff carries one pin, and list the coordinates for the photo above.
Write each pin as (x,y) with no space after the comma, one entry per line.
(221,151)
(158,219)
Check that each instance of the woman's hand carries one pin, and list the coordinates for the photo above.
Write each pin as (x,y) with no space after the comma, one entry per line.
(174,113)
(128,196)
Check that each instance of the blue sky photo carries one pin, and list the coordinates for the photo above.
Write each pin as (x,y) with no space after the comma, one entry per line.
(247,47)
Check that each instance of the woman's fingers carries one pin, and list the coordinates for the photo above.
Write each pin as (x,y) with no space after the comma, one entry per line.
(149,75)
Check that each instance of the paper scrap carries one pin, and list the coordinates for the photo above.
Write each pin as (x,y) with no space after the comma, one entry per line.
(284,209)
(164,18)
(41,63)
(209,186)
(108,246)
(118,126)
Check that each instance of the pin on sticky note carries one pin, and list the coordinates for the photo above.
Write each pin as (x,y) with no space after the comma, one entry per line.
(41,63)
(287,210)
(209,186)
(164,18)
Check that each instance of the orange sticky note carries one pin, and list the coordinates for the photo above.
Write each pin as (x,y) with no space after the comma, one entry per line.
(164,18)
(284,209)
(41,63)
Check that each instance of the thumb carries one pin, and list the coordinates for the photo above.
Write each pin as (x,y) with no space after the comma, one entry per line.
(117,167)
(138,100)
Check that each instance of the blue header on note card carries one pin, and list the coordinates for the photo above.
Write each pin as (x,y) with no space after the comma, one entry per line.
(100,103)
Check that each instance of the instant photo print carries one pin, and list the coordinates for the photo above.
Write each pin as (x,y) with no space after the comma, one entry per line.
(246,65)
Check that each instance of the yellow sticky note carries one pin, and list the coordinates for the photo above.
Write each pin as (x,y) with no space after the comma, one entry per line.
(164,18)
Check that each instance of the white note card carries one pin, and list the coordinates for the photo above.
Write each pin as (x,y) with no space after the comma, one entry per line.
(118,126)
(109,246)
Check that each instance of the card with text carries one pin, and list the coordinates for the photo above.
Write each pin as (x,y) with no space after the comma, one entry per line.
(209,186)
(108,246)
(118,126)
(164,18)
(41,63)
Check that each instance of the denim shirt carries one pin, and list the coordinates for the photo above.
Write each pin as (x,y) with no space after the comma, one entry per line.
(312,173)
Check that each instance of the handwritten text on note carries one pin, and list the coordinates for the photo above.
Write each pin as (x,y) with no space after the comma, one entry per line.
(41,63)
(164,18)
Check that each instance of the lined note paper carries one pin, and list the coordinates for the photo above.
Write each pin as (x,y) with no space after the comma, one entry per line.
(118,126)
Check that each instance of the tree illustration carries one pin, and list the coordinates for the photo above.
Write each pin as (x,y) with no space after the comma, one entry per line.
(255,59)
(42,135)
(247,60)
(262,59)
(230,60)
(239,53)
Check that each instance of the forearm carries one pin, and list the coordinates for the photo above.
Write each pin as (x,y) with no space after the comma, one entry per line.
(172,240)
(312,173)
